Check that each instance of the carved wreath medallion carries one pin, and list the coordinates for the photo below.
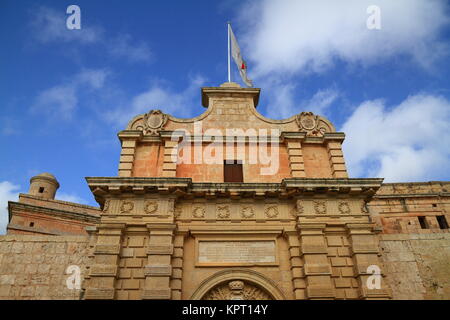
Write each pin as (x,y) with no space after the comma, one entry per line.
(320,207)
(247,212)
(223,212)
(271,212)
(344,207)
(198,212)
(150,207)
(126,206)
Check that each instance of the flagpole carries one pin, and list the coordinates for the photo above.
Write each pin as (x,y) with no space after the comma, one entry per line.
(229,70)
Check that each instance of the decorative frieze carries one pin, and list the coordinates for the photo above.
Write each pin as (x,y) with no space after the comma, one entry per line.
(126,206)
(271,212)
(150,207)
(247,212)
(223,211)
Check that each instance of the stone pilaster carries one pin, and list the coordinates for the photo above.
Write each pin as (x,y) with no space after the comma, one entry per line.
(365,252)
(336,158)
(177,266)
(127,158)
(103,272)
(296,162)
(170,167)
(158,271)
(298,276)
(317,269)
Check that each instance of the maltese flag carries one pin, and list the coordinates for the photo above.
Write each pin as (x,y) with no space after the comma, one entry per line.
(236,54)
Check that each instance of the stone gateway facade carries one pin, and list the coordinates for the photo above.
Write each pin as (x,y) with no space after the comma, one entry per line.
(230,205)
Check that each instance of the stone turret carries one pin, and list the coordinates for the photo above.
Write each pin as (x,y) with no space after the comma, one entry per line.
(44,185)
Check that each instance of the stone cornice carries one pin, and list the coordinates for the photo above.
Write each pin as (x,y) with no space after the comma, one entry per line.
(412,195)
(14,206)
(34,230)
(284,135)
(56,201)
(105,187)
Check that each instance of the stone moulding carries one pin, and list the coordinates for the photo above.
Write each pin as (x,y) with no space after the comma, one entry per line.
(99,294)
(102,187)
(160,249)
(103,270)
(153,294)
(14,206)
(158,270)
(107,249)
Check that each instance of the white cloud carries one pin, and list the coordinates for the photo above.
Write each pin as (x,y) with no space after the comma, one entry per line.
(160,96)
(61,101)
(122,47)
(284,37)
(282,95)
(9,126)
(49,26)
(94,78)
(321,101)
(408,142)
(8,192)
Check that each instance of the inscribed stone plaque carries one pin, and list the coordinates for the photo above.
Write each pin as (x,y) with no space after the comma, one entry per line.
(236,252)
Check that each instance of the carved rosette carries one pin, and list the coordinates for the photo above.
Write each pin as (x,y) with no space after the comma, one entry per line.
(177,212)
(271,212)
(312,124)
(320,207)
(364,207)
(293,212)
(236,290)
(126,206)
(223,212)
(106,206)
(247,212)
(344,207)
(198,212)
(150,207)
(153,122)
(299,207)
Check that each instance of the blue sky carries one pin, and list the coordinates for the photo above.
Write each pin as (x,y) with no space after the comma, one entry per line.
(64,94)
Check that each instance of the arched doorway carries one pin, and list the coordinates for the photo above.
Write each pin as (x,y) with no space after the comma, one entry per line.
(238,284)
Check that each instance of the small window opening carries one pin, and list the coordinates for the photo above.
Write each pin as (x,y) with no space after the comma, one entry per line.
(434,205)
(232,171)
(423,222)
(442,222)
(31,224)
(41,189)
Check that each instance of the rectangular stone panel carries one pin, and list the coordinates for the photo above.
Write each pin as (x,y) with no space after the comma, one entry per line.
(158,270)
(107,249)
(236,252)
(163,294)
(97,293)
